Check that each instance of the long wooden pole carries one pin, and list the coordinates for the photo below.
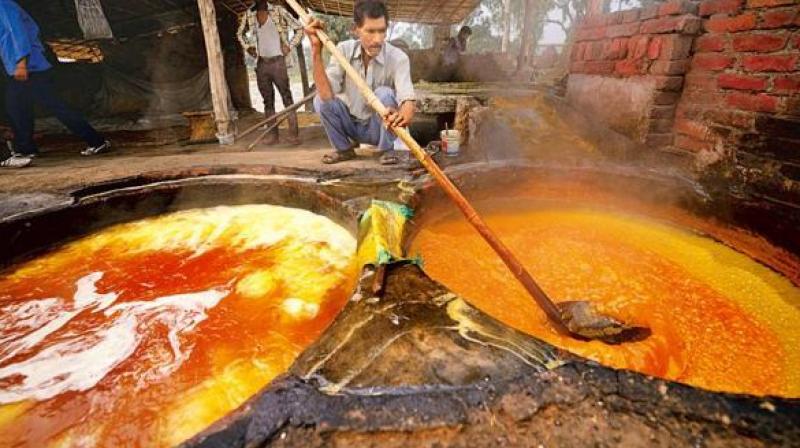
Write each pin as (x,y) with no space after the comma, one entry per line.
(278,116)
(220,97)
(301,65)
(447,185)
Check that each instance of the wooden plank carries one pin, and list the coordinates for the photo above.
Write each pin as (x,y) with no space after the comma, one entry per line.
(301,65)
(220,97)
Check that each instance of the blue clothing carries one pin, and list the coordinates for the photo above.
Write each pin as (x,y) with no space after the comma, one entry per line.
(343,129)
(19,38)
(20,97)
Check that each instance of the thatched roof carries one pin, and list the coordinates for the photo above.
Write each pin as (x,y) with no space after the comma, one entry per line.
(418,11)
(58,19)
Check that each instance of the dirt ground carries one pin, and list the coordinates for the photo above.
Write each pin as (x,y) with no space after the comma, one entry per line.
(64,168)
(60,169)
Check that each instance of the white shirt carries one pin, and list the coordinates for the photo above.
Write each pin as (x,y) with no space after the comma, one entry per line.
(269,40)
(390,68)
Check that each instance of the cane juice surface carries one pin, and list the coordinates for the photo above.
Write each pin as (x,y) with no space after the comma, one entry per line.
(145,333)
(720,320)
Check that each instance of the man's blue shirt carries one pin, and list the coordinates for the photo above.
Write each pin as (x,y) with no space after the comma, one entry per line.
(19,38)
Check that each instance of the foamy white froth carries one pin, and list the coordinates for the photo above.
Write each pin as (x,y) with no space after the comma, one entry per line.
(77,362)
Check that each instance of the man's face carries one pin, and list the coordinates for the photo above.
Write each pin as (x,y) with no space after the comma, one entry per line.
(372,34)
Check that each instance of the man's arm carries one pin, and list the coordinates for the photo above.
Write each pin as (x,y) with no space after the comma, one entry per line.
(404,91)
(19,45)
(295,25)
(241,35)
(328,82)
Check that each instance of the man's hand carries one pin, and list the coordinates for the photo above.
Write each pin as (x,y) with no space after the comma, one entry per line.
(21,72)
(400,118)
(252,52)
(285,49)
(311,31)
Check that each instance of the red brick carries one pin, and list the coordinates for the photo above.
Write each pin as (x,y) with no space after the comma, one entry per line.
(599,67)
(654,49)
(631,15)
(712,62)
(637,46)
(760,42)
(710,42)
(690,144)
(615,49)
(623,30)
(722,23)
(778,18)
(700,81)
(631,67)
(710,7)
(577,67)
(787,84)
(590,34)
(675,46)
(669,83)
(768,3)
(677,7)
(662,67)
(692,128)
(593,51)
(686,24)
(576,52)
(796,40)
(702,97)
(771,63)
(741,82)
(757,103)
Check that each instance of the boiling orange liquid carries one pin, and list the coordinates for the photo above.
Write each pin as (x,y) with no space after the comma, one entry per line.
(145,333)
(720,320)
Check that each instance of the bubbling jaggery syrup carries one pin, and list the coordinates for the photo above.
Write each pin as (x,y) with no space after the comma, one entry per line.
(720,320)
(145,333)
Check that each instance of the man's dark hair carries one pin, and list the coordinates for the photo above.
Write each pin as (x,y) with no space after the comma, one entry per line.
(374,9)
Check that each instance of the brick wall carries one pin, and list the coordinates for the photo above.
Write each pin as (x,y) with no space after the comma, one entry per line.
(741,99)
(647,49)
(725,86)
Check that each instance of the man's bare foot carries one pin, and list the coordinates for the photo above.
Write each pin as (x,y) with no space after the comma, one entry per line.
(292,140)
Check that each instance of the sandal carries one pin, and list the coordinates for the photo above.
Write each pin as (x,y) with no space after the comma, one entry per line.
(389,158)
(338,156)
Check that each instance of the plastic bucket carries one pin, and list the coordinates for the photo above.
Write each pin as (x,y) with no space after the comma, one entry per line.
(451,142)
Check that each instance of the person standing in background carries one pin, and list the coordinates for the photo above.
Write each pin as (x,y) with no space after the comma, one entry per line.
(29,80)
(265,36)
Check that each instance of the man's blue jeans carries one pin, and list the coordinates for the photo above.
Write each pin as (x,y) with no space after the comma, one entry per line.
(343,129)
(20,97)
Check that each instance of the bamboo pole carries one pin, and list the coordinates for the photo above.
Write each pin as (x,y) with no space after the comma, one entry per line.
(278,116)
(447,185)
(301,65)
(220,97)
